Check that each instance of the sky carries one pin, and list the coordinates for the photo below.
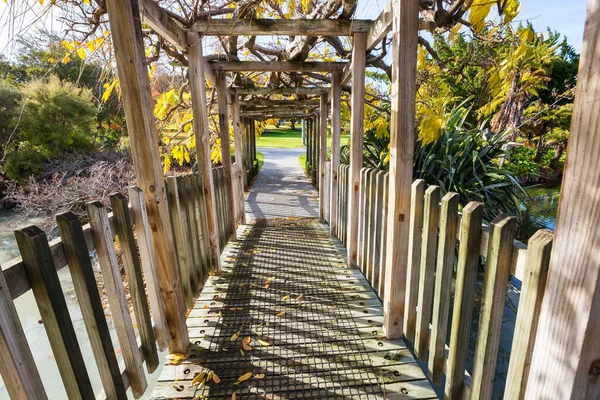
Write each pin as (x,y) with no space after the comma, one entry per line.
(566,17)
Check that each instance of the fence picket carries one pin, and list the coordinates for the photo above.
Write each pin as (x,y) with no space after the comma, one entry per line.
(41,273)
(113,285)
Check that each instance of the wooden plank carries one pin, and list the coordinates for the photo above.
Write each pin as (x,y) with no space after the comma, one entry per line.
(404,65)
(378,231)
(279,66)
(464,298)
(189,188)
(148,259)
(17,368)
(113,286)
(238,141)
(530,303)
(322,157)
(200,126)
(86,288)
(277,103)
(182,235)
(201,211)
(284,91)
(443,285)
(356,142)
(431,220)
(372,225)
(326,189)
(383,249)
(50,300)
(336,98)
(362,202)
(154,16)
(226,151)
(126,32)
(415,238)
(280,27)
(133,271)
(492,308)
(380,28)
(566,357)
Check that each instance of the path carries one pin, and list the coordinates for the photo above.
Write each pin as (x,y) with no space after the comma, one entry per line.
(281,188)
(287,314)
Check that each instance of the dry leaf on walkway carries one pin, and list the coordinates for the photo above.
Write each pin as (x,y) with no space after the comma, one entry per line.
(246,343)
(300,297)
(233,396)
(198,378)
(243,378)
(235,336)
(214,273)
(268,281)
(286,297)
(281,314)
(263,342)
(215,378)
(259,376)
(176,358)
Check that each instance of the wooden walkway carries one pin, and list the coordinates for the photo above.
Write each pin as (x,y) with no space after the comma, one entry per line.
(286,319)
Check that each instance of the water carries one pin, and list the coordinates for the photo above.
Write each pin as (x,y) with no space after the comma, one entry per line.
(36,334)
(540,210)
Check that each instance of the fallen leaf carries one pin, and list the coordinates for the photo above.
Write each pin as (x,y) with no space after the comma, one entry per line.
(242,352)
(259,376)
(267,323)
(214,273)
(286,297)
(205,306)
(243,378)
(300,297)
(233,396)
(281,314)
(246,343)
(176,358)
(263,342)
(244,264)
(198,378)
(235,336)
(268,281)
(215,378)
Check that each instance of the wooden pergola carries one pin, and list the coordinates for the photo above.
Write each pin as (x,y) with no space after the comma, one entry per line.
(560,357)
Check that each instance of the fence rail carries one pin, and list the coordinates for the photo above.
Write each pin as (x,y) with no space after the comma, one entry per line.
(446,250)
(38,271)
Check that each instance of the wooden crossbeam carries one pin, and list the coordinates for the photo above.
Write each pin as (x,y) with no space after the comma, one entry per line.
(274,114)
(377,31)
(278,108)
(262,102)
(284,27)
(282,91)
(277,66)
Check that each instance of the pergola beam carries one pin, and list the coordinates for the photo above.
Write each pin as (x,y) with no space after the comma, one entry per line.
(262,102)
(277,66)
(275,114)
(278,109)
(282,27)
(282,91)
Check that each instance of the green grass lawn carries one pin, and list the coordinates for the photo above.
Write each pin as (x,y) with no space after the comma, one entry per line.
(286,137)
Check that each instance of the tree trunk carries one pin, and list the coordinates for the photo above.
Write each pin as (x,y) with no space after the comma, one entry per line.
(293,122)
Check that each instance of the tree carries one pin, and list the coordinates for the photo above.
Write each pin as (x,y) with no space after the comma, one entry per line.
(10,99)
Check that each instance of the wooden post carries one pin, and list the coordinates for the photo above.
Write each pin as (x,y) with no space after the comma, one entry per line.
(322,156)
(539,248)
(404,70)
(199,108)
(357,120)
(17,368)
(566,357)
(464,298)
(336,96)
(127,38)
(226,150)
(253,141)
(238,142)
(50,300)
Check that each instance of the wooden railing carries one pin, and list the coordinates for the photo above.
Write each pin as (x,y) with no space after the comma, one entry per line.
(41,261)
(446,250)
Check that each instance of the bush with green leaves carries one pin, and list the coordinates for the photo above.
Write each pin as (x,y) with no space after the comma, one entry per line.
(10,99)
(58,118)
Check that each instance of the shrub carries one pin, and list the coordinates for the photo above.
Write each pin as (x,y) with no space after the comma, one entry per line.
(521,162)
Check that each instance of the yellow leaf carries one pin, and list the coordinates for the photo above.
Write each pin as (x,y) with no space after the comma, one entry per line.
(235,336)
(214,273)
(259,376)
(263,342)
(81,53)
(246,343)
(176,358)
(281,314)
(243,378)
(199,378)
(68,45)
(478,12)
(286,297)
